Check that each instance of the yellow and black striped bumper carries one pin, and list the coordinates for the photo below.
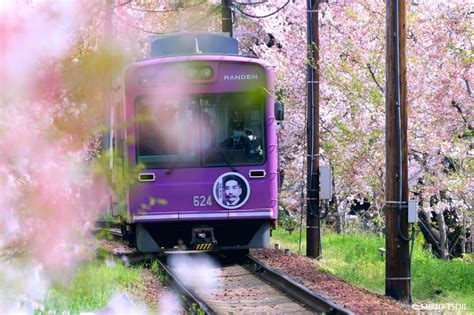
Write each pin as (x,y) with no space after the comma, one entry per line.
(204,246)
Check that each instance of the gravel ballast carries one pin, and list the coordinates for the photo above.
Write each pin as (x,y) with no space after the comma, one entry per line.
(304,270)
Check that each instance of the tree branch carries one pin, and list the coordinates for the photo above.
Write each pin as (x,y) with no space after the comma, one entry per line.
(461,112)
(454,244)
(427,231)
(372,74)
(468,88)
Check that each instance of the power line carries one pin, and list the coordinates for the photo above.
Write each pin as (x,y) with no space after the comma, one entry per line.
(250,3)
(136,27)
(198,23)
(205,19)
(122,4)
(163,11)
(261,16)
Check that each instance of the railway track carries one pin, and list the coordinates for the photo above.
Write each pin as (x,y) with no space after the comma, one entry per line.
(191,301)
(246,285)
(107,229)
(239,285)
(293,289)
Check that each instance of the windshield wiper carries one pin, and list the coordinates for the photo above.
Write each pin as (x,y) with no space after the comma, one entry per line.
(228,160)
(170,170)
(226,157)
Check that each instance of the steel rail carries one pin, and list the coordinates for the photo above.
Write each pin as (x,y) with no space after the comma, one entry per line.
(133,259)
(115,234)
(106,224)
(190,299)
(192,303)
(107,232)
(282,282)
(293,289)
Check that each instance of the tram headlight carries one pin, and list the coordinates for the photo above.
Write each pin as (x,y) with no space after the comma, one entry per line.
(206,73)
(199,73)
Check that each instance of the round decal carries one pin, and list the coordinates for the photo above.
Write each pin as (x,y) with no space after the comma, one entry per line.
(231,190)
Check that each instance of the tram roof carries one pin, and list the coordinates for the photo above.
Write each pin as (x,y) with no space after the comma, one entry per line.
(182,44)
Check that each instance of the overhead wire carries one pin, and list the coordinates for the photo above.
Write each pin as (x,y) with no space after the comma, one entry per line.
(151,10)
(164,11)
(260,16)
(193,25)
(250,3)
(121,4)
(204,19)
(121,19)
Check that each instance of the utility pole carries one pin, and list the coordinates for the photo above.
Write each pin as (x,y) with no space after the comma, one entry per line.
(107,45)
(226,14)
(397,283)
(108,27)
(313,221)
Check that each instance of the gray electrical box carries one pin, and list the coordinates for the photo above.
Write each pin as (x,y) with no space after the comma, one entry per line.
(412,211)
(325,183)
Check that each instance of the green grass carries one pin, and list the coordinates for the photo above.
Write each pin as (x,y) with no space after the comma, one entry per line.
(355,258)
(91,288)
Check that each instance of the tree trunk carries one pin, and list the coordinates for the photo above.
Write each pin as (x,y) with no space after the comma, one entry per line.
(463,234)
(429,232)
(443,236)
(337,212)
(470,242)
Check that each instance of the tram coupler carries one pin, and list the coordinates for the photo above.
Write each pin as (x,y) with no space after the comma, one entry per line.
(203,238)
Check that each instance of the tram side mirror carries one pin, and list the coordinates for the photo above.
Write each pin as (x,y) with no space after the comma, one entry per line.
(279,111)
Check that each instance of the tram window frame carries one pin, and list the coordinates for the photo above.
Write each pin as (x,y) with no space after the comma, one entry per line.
(222,129)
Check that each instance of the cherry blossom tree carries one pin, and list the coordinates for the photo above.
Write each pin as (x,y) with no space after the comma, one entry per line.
(352,102)
(352,92)
(52,101)
(49,191)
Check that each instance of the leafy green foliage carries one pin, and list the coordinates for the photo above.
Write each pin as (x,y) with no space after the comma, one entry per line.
(355,258)
(91,288)
(443,281)
(288,222)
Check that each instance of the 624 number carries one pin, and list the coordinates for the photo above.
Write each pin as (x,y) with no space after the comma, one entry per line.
(202,201)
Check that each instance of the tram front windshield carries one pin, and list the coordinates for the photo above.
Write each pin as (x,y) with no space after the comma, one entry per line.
(201,130)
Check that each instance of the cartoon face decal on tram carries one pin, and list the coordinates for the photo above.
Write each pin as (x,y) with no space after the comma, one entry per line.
(231,190)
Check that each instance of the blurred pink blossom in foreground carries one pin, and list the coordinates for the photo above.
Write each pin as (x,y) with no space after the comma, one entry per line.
(48,192)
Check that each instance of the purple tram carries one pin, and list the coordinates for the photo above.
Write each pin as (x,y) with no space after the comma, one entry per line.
(200,146)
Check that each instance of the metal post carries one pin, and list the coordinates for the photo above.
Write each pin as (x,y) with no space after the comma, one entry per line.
(397,281)
(226,13)
(107,45)
(313,222)
(107,48)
